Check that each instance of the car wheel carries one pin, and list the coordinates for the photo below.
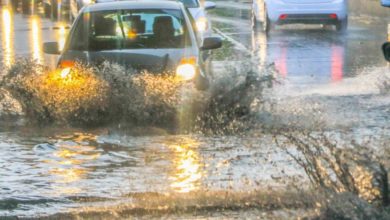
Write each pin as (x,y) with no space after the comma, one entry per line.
(342,25)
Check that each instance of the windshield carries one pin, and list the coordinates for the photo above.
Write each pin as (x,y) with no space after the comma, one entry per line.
(130,29)
(190,3)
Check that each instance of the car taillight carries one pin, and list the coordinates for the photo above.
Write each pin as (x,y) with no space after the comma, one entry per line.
(333,16)
(283,16)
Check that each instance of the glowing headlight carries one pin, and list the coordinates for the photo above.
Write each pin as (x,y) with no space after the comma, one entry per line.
(65,72)
(186,71)
(87,2)
(201,24)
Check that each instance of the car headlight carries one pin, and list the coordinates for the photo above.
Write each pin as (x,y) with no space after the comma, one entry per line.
(186,71)
(87,2)
(65,72)
(202,24)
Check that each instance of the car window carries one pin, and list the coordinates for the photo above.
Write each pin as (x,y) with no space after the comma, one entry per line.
(131,29)
(190,3)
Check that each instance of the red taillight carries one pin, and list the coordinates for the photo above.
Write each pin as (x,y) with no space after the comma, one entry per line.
(66,63)
(283,16)
(333,16)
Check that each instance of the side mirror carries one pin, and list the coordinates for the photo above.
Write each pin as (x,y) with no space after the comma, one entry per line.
(386,50)
(51,48)
(209,5)
(210,43)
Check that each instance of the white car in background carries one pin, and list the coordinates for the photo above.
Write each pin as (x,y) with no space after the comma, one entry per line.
(279,12)
(198,12)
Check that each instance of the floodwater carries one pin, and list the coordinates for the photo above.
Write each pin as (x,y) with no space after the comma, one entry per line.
(323,82)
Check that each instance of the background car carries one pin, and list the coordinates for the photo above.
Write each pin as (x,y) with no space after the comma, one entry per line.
(156,36)
(198,12)
(77,5)
(279,12)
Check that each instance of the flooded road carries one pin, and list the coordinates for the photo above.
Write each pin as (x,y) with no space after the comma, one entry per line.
(23,35)
(323,81)
(61,171)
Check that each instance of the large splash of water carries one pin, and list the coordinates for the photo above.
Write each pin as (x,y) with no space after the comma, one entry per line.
(110,93)
(90,95)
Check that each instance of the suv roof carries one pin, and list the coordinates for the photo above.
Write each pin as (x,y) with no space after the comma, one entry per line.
(134,4)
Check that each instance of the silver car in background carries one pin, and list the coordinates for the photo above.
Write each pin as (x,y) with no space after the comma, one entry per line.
(198,11)
(280,12)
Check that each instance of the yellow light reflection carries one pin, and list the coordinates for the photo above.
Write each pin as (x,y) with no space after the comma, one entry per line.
(7,30)
(68,165)
(36,34)
(188,171)
(61,36)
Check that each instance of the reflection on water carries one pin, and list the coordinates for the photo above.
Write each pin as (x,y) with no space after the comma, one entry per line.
(23,35)
(337,62)
(66,165)
(7,30)
(281,62)
(36,35)
(322,62)
(188,167)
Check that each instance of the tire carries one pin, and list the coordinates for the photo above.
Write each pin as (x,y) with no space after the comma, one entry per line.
(342,25)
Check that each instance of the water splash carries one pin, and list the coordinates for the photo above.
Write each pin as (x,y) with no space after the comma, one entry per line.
(109,93)
(339,166)
(90,95)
